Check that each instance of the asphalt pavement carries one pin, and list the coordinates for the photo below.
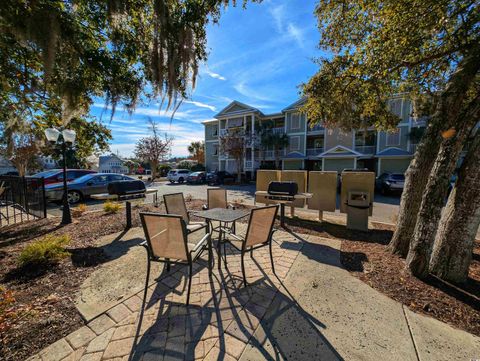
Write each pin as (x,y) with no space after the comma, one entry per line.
(385,208)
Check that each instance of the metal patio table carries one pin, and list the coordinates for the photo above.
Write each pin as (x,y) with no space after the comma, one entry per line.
(225,215)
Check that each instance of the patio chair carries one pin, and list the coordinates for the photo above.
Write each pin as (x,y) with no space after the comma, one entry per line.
(175,204)
(259,234)
(167,242)
(217,198)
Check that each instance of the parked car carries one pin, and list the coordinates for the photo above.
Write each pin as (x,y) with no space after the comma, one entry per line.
(196,178)
(56,175)
(219,177)
(390,182)
(178,175)
(83,187)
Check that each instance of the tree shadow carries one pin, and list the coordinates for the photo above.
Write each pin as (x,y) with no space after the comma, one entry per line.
(14,234)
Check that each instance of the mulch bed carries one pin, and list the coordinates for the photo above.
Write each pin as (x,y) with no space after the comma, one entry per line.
(42,309)
(365,255)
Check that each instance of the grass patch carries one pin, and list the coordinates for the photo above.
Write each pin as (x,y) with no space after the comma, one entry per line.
(111,207)
(46,251)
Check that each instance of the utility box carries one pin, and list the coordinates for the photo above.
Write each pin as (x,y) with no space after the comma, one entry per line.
(358,209)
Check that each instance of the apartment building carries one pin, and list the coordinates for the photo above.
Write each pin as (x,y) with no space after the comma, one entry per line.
(313,147)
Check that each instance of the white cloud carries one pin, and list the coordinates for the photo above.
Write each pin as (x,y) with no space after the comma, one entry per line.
(246,91)
(297,34)
(201,105)
(286,28)
(215,75)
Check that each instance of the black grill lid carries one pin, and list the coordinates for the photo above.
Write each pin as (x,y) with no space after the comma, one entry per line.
(283,188)
(126,187)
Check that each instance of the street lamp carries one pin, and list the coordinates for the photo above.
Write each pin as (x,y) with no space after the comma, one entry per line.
(67,138)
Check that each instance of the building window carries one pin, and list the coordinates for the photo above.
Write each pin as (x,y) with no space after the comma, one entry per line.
(215,150)
(365,138)
(294,144)
(396,107)
(295,121)
(214,131)
(393,138)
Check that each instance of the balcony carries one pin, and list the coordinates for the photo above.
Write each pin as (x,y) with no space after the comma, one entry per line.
(223,132)
(270,154)
(279,130)
(251,165)
(366,149)
(314,151)
(315,128)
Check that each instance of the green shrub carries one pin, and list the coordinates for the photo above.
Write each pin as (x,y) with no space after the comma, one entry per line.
(111,207)
(48,250)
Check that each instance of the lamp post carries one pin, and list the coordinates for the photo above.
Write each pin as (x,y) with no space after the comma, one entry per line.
(67,138)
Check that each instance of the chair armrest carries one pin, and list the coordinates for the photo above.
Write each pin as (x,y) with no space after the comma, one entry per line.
(144,244)
(236,237)
(231,206)
(201,242)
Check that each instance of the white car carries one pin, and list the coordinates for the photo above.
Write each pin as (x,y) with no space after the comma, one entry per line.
(178,175)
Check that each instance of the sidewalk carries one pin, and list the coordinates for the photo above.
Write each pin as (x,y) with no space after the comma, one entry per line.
(314,310)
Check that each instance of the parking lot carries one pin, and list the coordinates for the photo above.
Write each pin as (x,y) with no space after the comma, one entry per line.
(384,210)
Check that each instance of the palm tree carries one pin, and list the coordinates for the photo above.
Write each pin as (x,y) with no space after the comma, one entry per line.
(197,151)
(269,139)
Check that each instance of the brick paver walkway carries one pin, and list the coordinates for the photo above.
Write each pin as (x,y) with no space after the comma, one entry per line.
(219,323)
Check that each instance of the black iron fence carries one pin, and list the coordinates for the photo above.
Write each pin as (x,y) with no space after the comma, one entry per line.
(21,199)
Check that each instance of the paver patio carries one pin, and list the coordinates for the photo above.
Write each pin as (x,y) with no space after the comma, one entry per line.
(311,310)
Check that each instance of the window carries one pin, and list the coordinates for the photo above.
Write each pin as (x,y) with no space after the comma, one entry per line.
(365,138)
(393,138)
(214,131)
(295,121)
(294,143)
(113,178)
(100,179)
(396,107)
(215,150)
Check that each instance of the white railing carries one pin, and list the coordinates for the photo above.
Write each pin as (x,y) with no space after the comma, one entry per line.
(270,154)
(365,149)
(314,151)
(279,130)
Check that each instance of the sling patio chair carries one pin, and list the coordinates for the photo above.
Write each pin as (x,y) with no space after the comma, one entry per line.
(259,234)
(175,204)
(217,198)
(167,242)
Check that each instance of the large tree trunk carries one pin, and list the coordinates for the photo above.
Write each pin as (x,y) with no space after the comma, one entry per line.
(433,201)
(417,175)
(453,248)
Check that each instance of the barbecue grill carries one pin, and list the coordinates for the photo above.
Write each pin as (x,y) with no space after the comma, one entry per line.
(284,191)
(127,189)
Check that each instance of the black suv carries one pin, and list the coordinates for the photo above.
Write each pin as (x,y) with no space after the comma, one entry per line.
(219,177)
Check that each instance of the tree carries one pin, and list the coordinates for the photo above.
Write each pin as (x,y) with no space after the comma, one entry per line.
(153,149)
(234,144)
(197,151)
(453,247)
(269,139)
(92,138)
(23,153)
(428,50)
(71,51)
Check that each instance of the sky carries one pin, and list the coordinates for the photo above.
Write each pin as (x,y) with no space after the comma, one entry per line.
(258,56)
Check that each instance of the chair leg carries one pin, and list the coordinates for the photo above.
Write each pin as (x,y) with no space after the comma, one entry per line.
(190,274)
(225,252)
(146,281)
(251,252)
(219,249)
(168,265)
(243,270)
(271,256)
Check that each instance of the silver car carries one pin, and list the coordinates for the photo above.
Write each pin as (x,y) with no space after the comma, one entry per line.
(82,187)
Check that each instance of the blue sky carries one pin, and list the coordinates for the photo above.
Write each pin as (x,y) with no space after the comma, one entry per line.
(257,56)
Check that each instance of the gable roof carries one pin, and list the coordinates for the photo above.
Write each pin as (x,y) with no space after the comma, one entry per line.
(393,152)
(237,108)
(295,105)
(339,151)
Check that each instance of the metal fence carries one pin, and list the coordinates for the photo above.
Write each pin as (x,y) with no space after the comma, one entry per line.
(21,199)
